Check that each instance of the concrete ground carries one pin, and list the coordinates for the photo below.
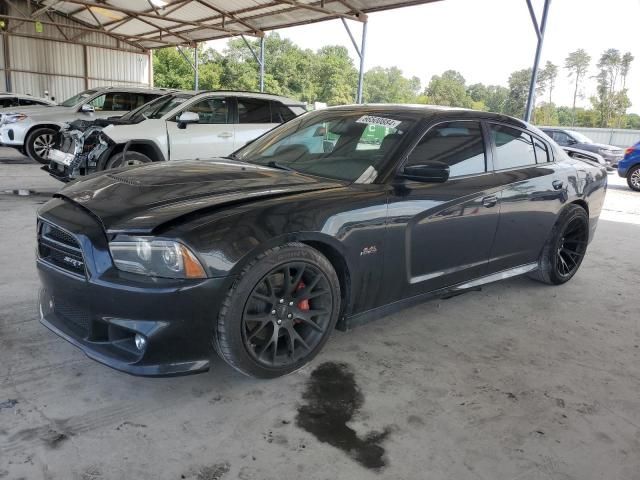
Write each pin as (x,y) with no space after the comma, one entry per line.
(518,381)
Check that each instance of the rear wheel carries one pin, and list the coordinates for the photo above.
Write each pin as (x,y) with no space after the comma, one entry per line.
(633,178)
(564,251)
(279,313)
(131,160)
(38,144)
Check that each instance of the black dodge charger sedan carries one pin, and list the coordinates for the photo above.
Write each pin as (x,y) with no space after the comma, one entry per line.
(313,226)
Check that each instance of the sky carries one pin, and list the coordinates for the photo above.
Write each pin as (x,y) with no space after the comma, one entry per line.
(486,40)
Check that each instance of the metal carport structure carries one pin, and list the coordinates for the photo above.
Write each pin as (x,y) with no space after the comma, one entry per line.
(144,25)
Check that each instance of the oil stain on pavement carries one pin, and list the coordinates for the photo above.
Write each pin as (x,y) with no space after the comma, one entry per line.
(332,399)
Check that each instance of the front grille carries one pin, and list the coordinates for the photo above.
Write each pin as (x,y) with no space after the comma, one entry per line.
(60,248)
(72,314)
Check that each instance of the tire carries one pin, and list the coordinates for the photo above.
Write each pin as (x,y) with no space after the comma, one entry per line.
(258,309)
(633,178)
(564,251)
(38,143)
(133,159)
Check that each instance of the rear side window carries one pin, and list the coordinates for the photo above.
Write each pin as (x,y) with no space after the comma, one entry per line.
(8,102)
(281,113)
(28,101)
(253,110)
(513,147)
(458,144)
(542,153)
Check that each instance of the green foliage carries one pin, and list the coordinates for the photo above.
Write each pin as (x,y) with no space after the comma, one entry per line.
(329,75)
(387,85)
(449,89)
(518,92)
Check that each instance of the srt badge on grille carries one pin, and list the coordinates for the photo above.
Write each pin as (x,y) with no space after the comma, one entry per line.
(73,262)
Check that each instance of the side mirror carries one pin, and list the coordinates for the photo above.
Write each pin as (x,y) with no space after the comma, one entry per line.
(436,172)
(186,118)
(87,108)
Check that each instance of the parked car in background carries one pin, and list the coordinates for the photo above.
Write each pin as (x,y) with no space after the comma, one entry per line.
(570,138)
(10,100)
(586,155)
(31,129)
(177,126)
(629,167)
(260,255)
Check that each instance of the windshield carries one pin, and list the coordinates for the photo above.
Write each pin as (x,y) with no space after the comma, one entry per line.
(79,98)
(344,145)
(156,108)
(579,137)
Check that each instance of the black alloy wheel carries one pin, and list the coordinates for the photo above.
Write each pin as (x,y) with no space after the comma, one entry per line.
(287,314)
(279,312)
(565,249)
(571,248)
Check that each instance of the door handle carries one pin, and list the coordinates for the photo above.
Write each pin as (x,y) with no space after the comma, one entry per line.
(557,184)
(225,134)
(490,201)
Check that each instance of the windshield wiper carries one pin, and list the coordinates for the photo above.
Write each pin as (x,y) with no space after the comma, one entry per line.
(274,164)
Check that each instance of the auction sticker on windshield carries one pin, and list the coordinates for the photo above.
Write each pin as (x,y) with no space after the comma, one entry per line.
(384,122)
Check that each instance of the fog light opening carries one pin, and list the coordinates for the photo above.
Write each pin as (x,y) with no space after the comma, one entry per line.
(140,341)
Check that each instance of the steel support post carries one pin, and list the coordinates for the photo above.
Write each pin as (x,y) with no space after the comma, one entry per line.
(539,28)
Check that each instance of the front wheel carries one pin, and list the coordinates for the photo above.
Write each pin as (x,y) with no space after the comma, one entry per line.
(38,144)
(132,159)
(279,313)
(633,178)
(564,251)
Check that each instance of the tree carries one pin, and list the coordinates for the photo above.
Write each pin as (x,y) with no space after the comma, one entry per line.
(577,63)
(335,76)
(171,69)
(611,102)
(518,92)
(387,85)
(448,89)
(546,81)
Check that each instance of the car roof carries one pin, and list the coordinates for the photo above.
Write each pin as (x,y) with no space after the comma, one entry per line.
(429,111)
(159,91)
(250,94)
(23,95)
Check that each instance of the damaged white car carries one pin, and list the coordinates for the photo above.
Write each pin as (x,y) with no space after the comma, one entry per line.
(178,126)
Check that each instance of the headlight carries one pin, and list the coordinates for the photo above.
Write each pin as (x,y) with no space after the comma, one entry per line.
(13,118)
(156,258)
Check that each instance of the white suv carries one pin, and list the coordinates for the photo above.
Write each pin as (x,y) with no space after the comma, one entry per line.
(31,129)
(177,126)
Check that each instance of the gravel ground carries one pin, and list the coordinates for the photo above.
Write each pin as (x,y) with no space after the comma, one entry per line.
(517,381)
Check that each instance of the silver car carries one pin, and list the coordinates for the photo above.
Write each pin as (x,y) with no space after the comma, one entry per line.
(32,129)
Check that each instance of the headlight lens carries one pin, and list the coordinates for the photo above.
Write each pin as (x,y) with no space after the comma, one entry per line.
(156,258)
(13,118)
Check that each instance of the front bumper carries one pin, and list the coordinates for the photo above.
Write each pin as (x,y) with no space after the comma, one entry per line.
(612,158)
(12,134)
(102,311)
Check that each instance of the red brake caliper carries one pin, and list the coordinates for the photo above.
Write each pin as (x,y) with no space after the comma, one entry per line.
(302,304)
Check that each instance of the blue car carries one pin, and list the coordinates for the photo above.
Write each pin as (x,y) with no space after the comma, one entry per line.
(629,167)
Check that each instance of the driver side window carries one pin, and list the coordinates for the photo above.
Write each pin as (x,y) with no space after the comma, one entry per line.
(210,110)
(460,145)
(562,138)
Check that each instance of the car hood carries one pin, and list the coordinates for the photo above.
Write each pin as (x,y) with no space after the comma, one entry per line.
(139,200)
(594,147)
(39,111)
